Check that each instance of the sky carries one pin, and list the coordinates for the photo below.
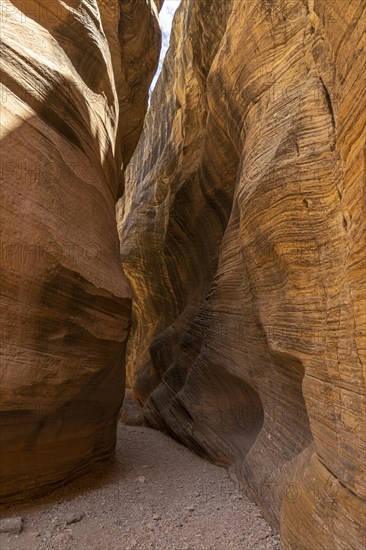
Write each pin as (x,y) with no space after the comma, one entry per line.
(166,18)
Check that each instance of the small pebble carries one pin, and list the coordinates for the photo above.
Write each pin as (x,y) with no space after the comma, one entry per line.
(73,517)
(141,479)
(11,525)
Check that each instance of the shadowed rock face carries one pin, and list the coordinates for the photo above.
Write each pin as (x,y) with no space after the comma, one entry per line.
(242,235)
(65,302)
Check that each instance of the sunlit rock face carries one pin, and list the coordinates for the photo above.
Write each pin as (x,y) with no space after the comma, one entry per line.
(242,235)
(65,301)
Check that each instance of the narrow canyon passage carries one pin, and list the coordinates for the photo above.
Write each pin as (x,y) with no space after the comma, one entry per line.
(154,494)
(202,245)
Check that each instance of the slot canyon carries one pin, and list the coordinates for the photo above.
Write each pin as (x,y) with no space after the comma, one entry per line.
(202,244)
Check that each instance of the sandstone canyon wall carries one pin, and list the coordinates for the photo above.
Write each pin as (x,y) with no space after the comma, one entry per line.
(243,236)
(74,79)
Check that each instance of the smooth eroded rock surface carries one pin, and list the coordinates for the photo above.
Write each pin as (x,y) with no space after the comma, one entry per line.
(65,84)
(243,237)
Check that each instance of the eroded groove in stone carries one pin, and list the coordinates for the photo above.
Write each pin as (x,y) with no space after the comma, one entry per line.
(242,235)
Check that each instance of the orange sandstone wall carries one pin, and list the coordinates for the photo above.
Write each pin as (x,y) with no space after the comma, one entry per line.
(66,86)
(243,237)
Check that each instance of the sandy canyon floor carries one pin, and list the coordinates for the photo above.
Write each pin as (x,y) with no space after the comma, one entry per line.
(154,494)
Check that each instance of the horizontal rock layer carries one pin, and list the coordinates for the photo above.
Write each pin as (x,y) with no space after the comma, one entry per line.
(65,302)
(242,235)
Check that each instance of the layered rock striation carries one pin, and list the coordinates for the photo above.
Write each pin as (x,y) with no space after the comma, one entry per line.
(242,235)
(74,93)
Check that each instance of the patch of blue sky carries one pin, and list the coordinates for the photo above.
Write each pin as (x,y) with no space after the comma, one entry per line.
(166,19)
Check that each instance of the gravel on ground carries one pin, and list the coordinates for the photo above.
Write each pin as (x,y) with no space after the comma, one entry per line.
(154,494)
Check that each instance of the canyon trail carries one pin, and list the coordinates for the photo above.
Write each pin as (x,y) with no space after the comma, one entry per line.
(154,494)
